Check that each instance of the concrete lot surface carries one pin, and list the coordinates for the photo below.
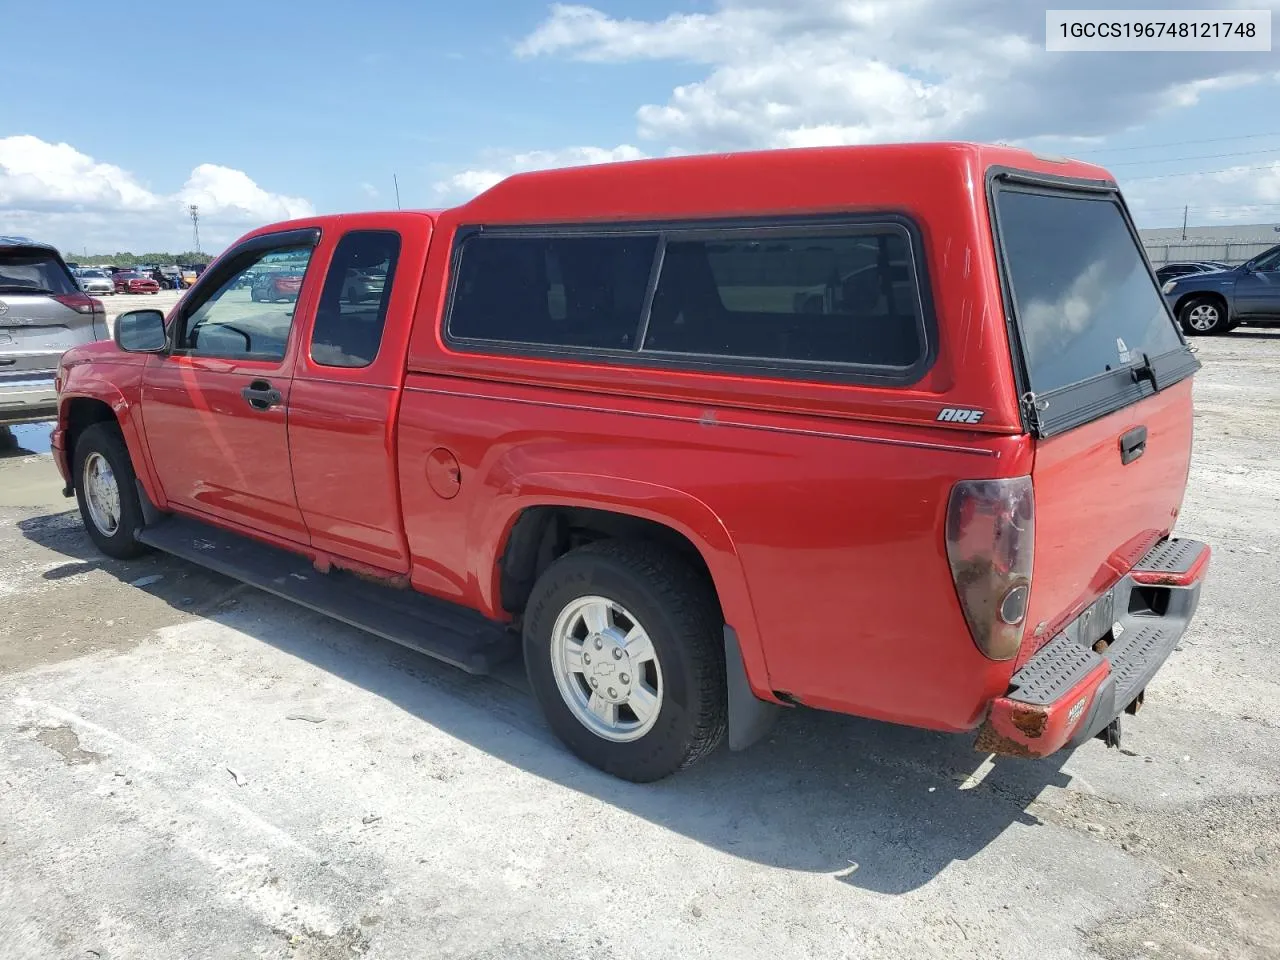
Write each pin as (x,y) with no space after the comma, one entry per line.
(192,769)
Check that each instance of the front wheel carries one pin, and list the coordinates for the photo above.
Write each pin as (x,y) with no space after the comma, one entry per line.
(107,492)
(623,644)
(1203,315)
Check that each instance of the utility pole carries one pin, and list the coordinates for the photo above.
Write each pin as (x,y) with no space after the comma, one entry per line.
(1184,221)
(397,183)
(194,211)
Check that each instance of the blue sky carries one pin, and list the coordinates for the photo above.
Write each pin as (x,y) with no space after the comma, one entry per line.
(259,111)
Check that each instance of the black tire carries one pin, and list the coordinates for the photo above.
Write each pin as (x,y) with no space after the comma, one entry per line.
(1203,307)
(680,614)
(105,439)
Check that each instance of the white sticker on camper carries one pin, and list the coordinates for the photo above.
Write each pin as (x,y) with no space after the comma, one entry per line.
(960,415)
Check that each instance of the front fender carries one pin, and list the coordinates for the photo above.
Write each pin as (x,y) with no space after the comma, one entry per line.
(668,506)
(118,385)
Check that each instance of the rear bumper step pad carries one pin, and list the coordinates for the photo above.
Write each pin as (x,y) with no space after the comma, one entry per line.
(1069,692)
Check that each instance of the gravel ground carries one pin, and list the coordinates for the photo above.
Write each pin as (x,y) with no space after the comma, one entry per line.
(189,768)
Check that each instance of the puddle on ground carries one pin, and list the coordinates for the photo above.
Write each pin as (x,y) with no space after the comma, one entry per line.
(27,438)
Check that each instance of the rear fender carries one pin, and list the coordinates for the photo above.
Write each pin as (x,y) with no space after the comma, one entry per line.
(667,506)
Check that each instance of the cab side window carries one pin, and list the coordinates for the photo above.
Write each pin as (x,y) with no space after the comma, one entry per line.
(250,314)
(353,305)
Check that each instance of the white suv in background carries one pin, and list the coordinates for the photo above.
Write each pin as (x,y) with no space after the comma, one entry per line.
(43,312)
(95,281)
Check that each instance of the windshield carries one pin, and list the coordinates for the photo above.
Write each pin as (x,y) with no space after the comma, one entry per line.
(1266,261)
(34,271)
(1084,298)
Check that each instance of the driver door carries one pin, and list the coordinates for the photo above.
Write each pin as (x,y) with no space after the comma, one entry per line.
(215,406)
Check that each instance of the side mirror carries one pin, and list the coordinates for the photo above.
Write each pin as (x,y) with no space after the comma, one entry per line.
(141,331)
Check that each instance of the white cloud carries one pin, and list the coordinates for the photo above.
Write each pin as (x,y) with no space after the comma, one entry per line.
(782,73)
(1244,193)
(225,195)
(800,72)
(369,190)
(35,175)
(56,193)
(467,183)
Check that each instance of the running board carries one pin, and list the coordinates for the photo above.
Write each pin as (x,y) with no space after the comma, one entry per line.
(437,628)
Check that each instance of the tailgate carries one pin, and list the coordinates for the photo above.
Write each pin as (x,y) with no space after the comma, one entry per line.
(1107,392)
(1096,516)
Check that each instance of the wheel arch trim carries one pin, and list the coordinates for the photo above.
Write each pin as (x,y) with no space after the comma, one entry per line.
(94,388)
(666,506)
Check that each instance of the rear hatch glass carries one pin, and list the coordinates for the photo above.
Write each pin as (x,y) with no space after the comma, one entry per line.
(1088,309)
(33,271)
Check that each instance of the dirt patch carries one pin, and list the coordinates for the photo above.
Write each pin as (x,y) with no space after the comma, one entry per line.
(349,943)
(65,742)
(1220,899)
(60,599)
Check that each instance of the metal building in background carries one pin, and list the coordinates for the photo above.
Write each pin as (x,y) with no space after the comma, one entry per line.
(1230,244)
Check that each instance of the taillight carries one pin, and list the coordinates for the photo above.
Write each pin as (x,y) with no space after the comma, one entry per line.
(79,302)
(991,532)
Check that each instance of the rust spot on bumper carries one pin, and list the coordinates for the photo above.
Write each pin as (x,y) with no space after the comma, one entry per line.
(1163,580)
(989,741)
(1030,720)
(1015,733)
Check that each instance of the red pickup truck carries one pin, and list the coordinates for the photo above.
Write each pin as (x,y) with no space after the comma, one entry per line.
(896,431)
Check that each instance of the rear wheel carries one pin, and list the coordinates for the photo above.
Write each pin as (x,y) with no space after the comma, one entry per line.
(107,492)
(1203,315)
(624,649)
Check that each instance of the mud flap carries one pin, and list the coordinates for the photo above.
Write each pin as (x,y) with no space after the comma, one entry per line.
(151,514)
(749,717)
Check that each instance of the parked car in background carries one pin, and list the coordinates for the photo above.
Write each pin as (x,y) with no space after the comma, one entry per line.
(95,281)
(130,282)
(362,285)
(1220,301)
(43,312)
(667,427)
(270,287)
(1172,270)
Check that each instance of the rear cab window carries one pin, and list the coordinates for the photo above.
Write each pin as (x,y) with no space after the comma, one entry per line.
(1092,329)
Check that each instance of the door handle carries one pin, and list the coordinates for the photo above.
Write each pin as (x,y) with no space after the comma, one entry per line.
(261,395)
(1133,444)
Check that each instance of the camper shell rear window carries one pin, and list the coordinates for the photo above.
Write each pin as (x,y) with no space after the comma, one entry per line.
(1087,320)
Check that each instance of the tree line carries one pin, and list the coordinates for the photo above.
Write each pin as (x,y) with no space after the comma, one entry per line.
(137,259)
